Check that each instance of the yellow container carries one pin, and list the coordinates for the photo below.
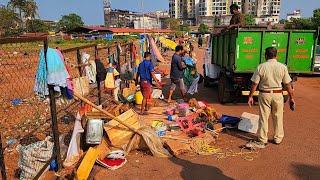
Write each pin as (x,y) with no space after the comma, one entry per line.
(139,97)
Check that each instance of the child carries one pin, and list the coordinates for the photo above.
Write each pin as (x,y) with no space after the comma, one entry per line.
(146,73)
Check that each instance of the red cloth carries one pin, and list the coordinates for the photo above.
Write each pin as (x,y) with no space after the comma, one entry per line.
(146,89)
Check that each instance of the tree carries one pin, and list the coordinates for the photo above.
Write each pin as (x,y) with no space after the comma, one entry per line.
(282,21)
(184,28)
(9,20)
(30,9)
(203,28)
(69,22)
(17,5)
(316,18)
(36,25)
(299,23)
(173,24)
(249,20)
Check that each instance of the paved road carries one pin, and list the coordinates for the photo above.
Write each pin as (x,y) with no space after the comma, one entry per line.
(297,157)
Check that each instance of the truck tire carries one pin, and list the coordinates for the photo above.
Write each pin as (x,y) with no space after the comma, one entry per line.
(223,89)
(206,82)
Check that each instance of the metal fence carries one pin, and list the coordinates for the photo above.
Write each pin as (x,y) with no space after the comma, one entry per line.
(22,114)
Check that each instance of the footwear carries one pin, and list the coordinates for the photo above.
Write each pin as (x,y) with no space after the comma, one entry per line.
(276,142)
(255,145)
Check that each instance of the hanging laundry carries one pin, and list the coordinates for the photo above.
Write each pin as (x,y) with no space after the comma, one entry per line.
(111,59)
(109,82)
(90,68)
(190,76)
(119,48)
(53,72)
(101,70)
(142,47)
(154,50)
(69,89)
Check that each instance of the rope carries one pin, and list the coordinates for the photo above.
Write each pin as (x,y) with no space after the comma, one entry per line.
(248,156)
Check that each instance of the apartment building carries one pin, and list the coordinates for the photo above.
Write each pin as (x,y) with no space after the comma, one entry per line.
(267,11)
(264,10)
(186,10)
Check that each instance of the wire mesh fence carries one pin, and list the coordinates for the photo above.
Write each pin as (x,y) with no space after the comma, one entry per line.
(23,116)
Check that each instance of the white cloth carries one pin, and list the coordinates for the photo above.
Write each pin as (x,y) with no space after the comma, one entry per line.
(194,86)
(90,68)
(73,153)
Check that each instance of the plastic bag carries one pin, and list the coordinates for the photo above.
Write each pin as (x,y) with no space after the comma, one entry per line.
(33,157)
(225,119)
(153,142)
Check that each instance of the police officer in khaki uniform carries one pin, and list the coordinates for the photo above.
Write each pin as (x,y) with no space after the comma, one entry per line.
(269,77)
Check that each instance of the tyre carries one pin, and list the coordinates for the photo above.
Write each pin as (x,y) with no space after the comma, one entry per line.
(206,82)
(223,89)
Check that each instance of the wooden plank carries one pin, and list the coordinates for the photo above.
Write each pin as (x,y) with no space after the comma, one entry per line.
(90,158)
(119,134)
(87,164)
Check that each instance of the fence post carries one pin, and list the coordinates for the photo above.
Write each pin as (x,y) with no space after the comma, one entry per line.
(79,62)
(53,111)
(2,164)
(96,52)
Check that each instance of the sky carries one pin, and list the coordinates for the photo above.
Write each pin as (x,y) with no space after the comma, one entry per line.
(91,11)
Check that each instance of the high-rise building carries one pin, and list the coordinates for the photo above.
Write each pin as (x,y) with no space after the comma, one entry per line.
(186,10)
(267,11)
(264,10)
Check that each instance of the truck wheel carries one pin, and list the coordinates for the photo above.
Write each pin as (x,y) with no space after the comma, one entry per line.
(223,92)
(206,82)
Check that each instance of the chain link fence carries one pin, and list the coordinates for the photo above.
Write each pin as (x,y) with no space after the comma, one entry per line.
(25,119)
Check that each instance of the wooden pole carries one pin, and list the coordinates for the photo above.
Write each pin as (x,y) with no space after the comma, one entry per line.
(53,112)
(106,113)
(2,164)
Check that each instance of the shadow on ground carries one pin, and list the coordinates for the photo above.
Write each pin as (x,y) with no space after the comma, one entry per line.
(198,171)
(306,172)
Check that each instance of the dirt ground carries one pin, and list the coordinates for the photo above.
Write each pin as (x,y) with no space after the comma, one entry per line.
(297,157)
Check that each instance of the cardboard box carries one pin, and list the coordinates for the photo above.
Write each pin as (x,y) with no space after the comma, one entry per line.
(249,123)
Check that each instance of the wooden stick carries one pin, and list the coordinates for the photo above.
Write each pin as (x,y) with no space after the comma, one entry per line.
(175,138)
(131,142)
(106,113)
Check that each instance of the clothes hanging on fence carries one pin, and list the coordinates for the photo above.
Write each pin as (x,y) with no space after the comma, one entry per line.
(190,76)
(68,91)
(101,70)
(109,82)
(90,68)
(54,73)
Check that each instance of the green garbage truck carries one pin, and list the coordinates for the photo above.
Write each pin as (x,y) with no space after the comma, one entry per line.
(236,54)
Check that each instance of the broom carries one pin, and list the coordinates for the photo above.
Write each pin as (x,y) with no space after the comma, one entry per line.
(152,140)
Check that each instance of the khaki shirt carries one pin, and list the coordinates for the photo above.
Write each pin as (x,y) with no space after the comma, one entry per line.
(237,19)
(270,75)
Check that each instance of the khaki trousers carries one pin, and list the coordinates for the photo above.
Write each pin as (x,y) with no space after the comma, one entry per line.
(271,103)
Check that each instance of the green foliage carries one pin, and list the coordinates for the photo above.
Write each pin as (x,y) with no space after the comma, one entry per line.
(37,25)
(8,21)
(179,33)
(283,21)
(184,28)
(305,23)
(30,9)
(203,28)
(69,22)
(249,20)
(217,21)
(173,24)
